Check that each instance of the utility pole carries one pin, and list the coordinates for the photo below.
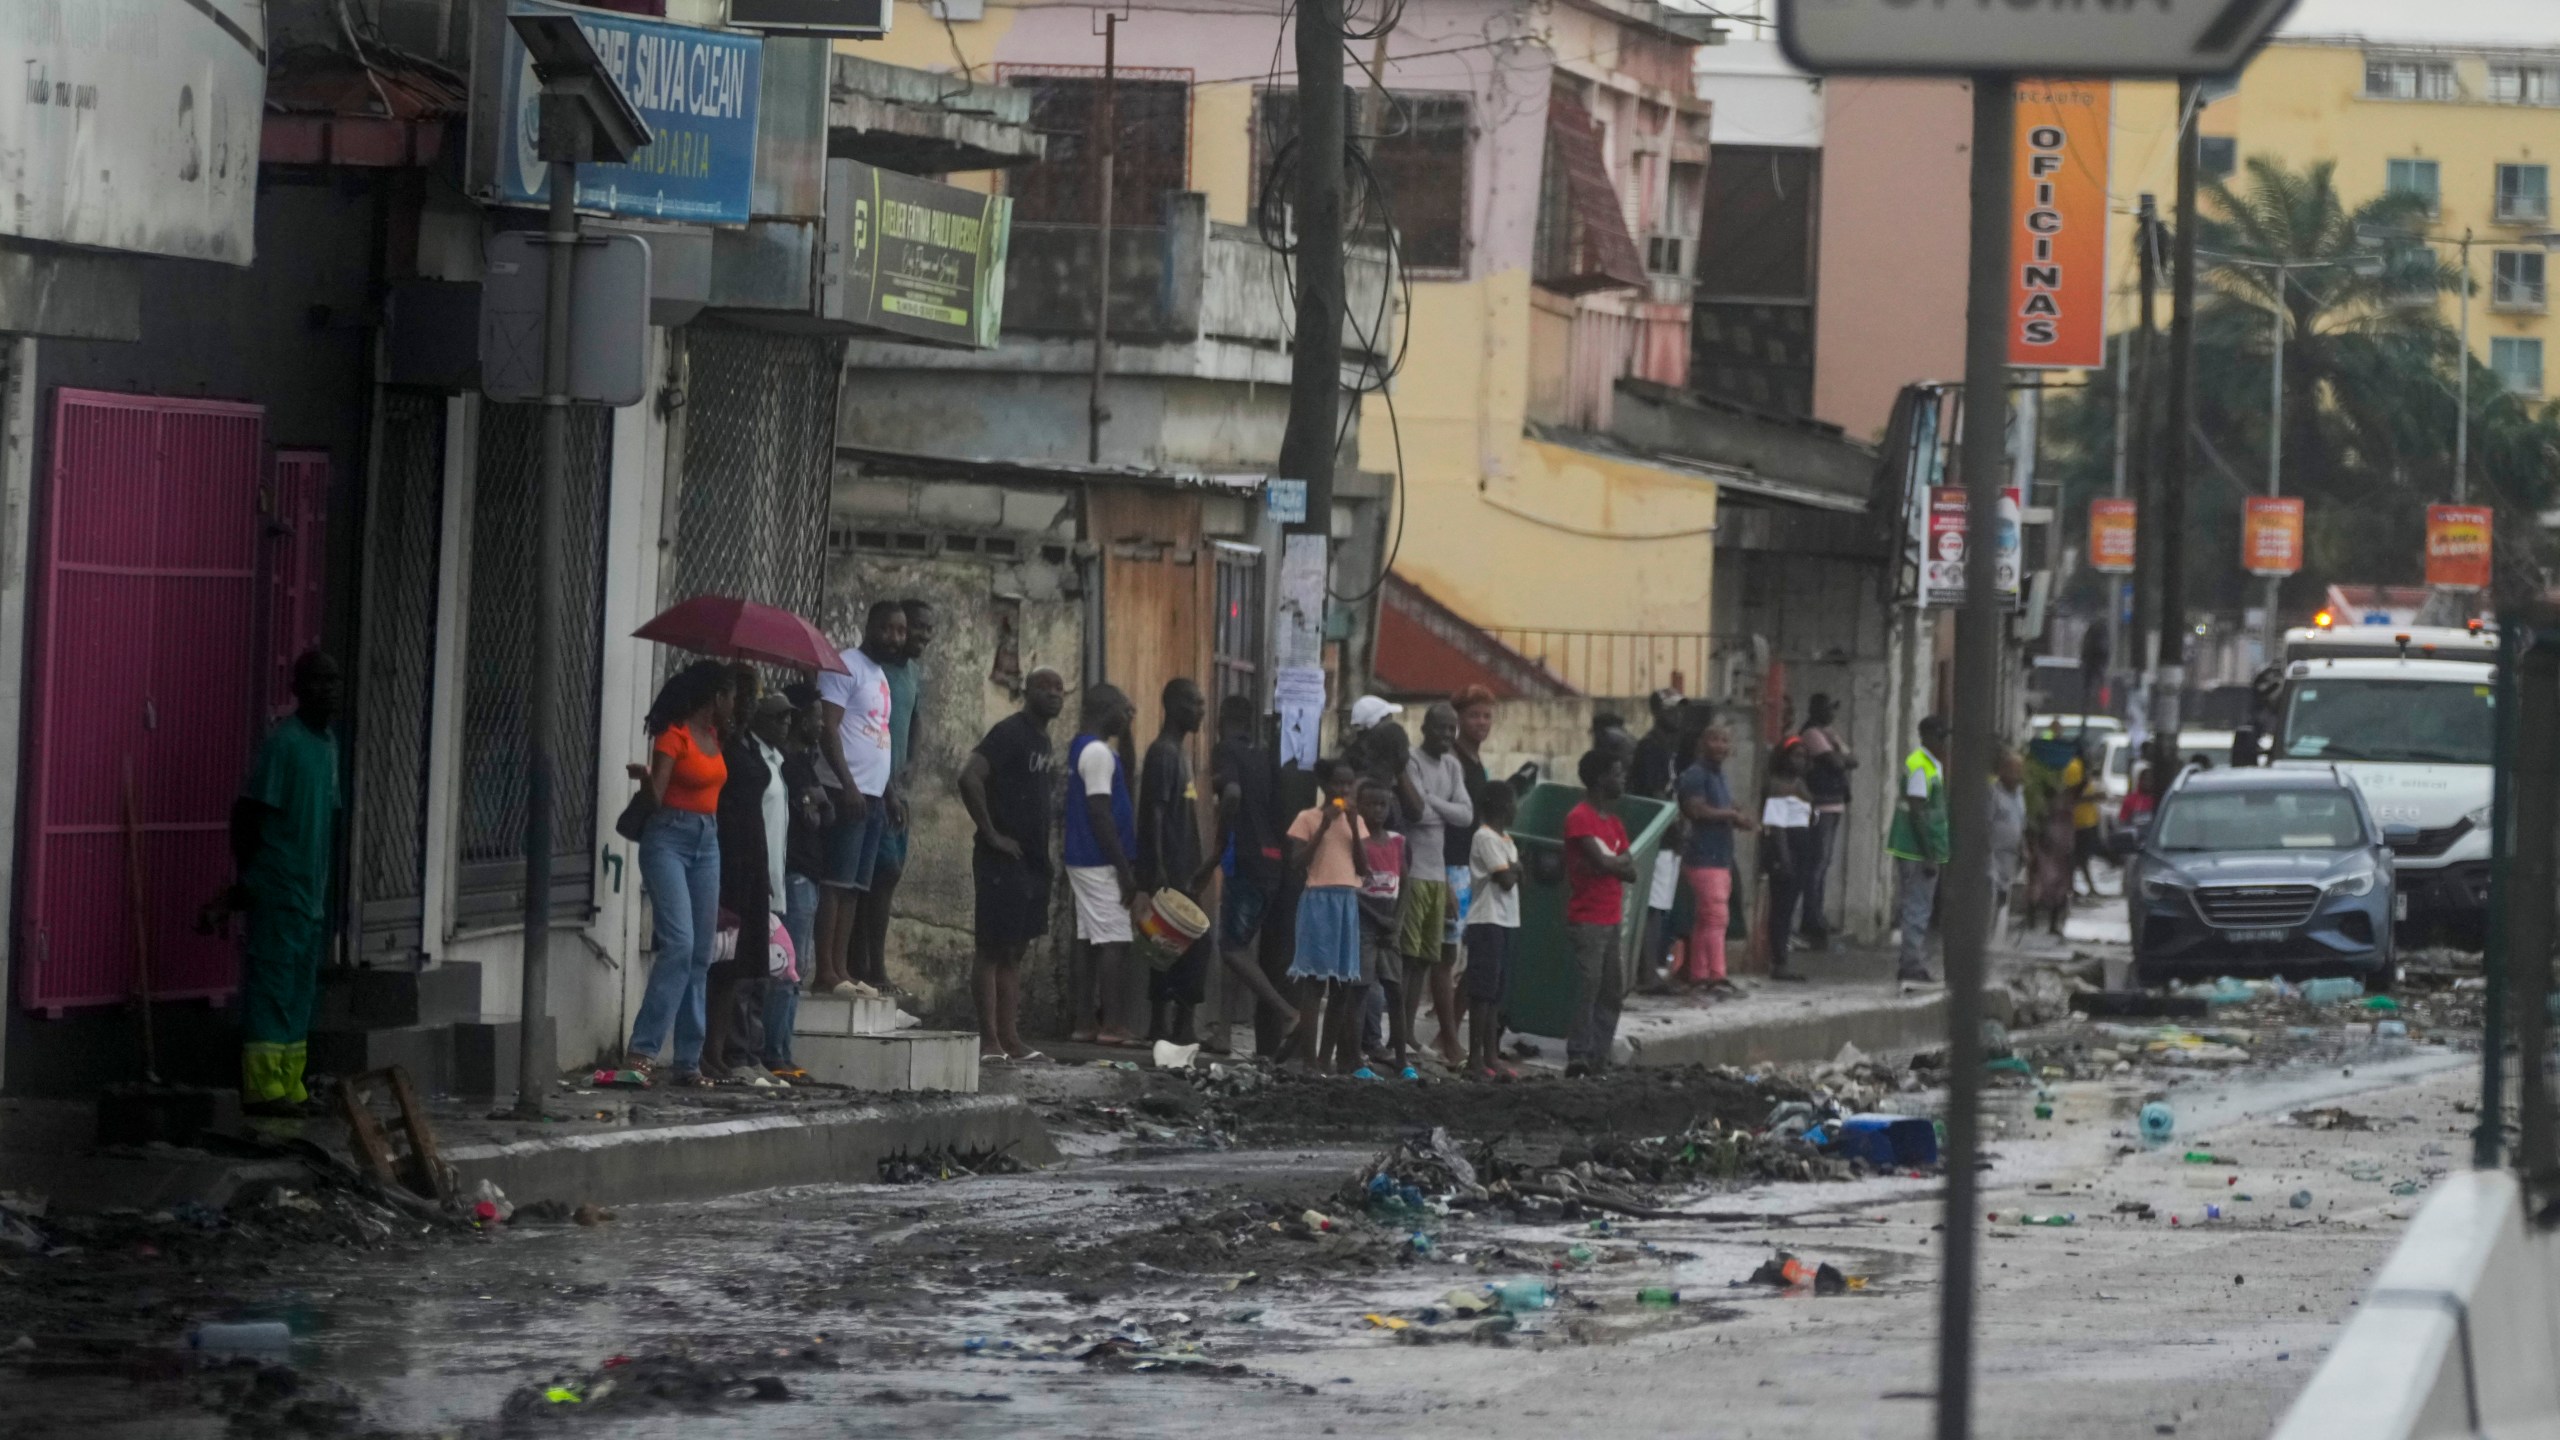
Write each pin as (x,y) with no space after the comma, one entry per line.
(2462,386)
(1106,152)
(1308,445)
(2145,639)
(2275,456)
(1964,887)
(2171,681)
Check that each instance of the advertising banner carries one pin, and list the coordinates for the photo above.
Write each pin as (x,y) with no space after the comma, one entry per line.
(133,124)
(2058,252)
(2271,535)
(1942,565)
(2458,546)
(2111,536)
(922,258)
(697,90)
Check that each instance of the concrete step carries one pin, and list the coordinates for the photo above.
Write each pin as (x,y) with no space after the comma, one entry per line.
(827,1015)
(389,998)
(485,1054)
(908,1060)
(425,1051)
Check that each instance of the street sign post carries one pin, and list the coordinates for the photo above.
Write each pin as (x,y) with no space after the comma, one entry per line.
(608,319)
(2043,37)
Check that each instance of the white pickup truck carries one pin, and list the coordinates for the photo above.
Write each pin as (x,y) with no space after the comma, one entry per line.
(2417,736)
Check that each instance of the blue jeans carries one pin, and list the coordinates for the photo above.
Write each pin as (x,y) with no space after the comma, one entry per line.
(782,1001)
(680,865)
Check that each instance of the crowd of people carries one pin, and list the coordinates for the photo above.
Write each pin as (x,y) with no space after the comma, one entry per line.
(772,830)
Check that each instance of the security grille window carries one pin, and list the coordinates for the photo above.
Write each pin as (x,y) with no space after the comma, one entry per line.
(759,464)
(2218,155)
(2417,178)
(397,666)
(2410,80)
(2518,284)
(498,678)
(2524,84)
(2518,363)
(1151,123)
(1237,644)
(2524,193)
(1417,149)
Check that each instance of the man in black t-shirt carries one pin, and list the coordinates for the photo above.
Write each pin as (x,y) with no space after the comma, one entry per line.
(1006,785)
(1169,855)
(1252,842)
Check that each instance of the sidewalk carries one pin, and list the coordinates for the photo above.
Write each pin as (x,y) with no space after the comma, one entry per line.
(600,1147)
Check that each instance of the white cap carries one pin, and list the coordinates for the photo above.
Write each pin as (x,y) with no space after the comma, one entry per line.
(1368,710)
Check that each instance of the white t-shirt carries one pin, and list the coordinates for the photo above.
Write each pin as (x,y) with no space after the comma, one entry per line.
(1488,903)
(1787,812)
(864,697)
(1096,766)
(777,825)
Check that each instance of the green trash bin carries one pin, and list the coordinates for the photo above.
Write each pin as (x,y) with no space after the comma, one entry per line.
(1542,977)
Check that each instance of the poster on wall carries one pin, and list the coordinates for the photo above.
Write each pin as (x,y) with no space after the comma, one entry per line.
(133,124)
(2111,536)
(2458,546)
(2271,535)
(1942,569)
(2058,252)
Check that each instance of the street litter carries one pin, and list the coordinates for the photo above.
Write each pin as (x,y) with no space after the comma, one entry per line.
(2301,1200)
(1387,1322)
(1169,1056)
(2159,1122)
(245,1337)
(2333,1117)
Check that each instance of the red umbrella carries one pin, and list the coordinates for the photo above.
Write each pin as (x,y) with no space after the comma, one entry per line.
(735,629)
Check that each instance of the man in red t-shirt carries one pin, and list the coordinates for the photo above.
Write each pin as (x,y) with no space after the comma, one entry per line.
(1597,869)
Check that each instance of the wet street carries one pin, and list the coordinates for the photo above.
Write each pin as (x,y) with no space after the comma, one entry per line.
(1151,1289)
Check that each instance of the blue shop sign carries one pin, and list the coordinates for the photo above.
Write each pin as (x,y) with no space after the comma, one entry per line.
(696,89)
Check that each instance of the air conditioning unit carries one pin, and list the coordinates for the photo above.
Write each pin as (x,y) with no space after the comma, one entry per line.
(1666,254)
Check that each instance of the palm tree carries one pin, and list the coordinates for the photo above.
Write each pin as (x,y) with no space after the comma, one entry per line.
(2368,415)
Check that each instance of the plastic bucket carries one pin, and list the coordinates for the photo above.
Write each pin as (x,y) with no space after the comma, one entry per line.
(1168,924)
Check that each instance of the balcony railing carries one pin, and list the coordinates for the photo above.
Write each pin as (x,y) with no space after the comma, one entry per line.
(1614,662)
(1188,279)
(2524,209)
(2517,295)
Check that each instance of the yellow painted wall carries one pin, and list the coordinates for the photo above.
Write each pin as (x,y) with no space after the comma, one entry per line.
(2306,102)
(1519,533)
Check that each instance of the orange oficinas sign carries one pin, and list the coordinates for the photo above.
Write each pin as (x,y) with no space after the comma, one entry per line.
(2058,252)
(2111,537)
(2271,535)
(2458,546)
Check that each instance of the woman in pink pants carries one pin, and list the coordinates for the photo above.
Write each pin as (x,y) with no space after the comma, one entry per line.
(1707,802)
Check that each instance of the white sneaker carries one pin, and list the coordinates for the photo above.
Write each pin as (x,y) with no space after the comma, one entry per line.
(860,991)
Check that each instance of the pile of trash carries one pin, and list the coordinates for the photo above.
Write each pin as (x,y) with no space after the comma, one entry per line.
(936,1163)
(631,1384)
(1408,1178)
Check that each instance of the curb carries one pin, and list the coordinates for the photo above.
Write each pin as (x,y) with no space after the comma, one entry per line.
(1892,1024)
(764,1152)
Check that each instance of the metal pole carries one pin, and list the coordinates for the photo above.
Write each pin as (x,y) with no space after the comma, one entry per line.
(2168,689)
(1964,890)
(2116,657)
(2462,387)
(1308,445)
(2532,874)
(533,1061)
(1107,152)
(2489,1137)
(2146,512)
(2275,459)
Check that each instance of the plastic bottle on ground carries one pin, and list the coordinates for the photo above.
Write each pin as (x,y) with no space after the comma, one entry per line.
(2159,1122)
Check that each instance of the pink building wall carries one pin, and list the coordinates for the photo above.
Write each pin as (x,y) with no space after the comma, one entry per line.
(1890,283)
(1455,47)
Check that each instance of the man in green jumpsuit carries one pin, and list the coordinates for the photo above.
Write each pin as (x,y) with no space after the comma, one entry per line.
(282,831)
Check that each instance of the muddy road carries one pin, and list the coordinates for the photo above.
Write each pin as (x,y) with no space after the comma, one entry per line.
(1156,1286)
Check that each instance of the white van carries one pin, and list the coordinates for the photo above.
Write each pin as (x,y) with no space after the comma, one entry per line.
(2418,737)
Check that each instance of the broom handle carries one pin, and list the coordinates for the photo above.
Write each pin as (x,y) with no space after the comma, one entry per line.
(141,920)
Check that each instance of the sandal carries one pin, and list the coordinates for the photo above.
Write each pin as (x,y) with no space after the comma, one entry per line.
(1029,1057)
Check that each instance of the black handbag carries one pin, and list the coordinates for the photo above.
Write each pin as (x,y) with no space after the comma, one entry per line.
(635,816)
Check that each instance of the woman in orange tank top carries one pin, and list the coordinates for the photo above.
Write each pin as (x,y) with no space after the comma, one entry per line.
(680,862)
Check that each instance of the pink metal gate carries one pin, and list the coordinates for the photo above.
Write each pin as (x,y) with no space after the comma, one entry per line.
(147,659)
